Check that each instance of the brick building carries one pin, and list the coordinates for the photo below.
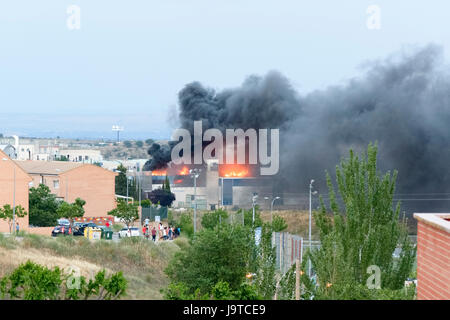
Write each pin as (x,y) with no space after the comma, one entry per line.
(71,180)
(433,256)
(10,172)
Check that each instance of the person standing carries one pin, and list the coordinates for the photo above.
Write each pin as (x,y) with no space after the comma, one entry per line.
(154,234)
(161,228)
(17,228)
(170,233)
(144,231)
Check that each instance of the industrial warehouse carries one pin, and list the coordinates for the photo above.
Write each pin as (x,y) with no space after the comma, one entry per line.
(228,159)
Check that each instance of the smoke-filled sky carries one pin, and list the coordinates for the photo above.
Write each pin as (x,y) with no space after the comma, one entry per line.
(401,102)
(128,62)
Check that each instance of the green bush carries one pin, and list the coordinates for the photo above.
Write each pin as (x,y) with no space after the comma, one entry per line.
(222,254)
(186,225)
(31,281)
(279,224)
(212,219)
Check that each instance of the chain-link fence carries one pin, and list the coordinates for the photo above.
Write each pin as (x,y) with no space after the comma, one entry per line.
(289,248)
(151,212)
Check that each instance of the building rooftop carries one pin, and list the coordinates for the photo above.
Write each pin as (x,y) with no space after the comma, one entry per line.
(47,167)
(437,220)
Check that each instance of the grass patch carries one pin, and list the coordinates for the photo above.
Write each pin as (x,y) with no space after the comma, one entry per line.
(142,261)
(8,242)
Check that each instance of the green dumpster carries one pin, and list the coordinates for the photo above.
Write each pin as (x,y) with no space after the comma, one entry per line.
(108,235)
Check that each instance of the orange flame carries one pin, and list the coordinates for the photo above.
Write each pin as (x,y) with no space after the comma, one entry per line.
(184,171)
(233,171)
(159,172)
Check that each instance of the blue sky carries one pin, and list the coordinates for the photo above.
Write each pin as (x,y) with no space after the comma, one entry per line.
(130,58)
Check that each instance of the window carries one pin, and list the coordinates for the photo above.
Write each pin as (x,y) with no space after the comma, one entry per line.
(227,192)
(56,184)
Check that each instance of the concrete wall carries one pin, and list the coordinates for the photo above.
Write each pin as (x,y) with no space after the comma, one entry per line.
(7,189)
(43,231)
(433,258)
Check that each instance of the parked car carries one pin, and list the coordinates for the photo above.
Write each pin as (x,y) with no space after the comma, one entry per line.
(131,232)
(60,230)
(63,222)
(78,228)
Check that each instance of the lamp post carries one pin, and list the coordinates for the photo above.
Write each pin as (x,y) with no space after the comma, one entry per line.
(255,196)
(310,214)
(195,173)
(129,178)
(271,208)
(14,202)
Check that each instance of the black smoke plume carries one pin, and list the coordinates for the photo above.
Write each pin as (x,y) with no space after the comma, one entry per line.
(160,156)
(402,102)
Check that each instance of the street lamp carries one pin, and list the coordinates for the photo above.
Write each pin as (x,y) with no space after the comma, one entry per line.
(271,208)
(255,196)
(14,197)
(310,214)
(195,173)
(129,178)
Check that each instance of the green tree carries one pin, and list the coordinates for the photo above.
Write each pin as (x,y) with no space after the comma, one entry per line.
(127,212)
(248,216)
(31,281)
(212,219)
(139,144)
(279,224)
(216,255)
(62,158)
(166,184)
(43,207)
(127,144)
(364,233)
(7,214)
(121,183)
(71,210)
(186,224)
(163,197)
(266,274)
(149,142)
(146,203)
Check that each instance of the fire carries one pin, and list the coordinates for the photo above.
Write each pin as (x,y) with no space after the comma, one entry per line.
(233,171)
(184,171)
(159,172)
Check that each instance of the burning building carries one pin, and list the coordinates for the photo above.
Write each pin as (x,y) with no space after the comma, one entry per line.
(217,185)
(402,103)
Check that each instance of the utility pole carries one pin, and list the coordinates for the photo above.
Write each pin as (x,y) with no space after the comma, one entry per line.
(297,279)
(140,187)
(195,173)
(310,215)
(271,208)
(255,196)
(14,200)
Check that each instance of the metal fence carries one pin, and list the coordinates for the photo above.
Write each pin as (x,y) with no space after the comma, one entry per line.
(151,212)
(289,248)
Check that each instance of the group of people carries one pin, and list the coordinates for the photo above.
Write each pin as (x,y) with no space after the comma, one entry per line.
(163,232)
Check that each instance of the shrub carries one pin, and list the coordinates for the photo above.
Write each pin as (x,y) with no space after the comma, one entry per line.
(31,281)
(212,219)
